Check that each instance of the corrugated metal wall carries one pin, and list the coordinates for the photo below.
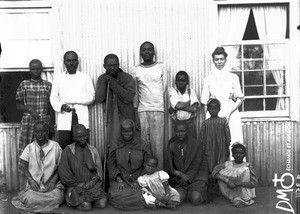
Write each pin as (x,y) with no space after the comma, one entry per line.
(9,176)
(95,28)
(268,144)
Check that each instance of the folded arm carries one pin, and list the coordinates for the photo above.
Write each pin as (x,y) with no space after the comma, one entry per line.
(125,93)
(191,108)
(253,179)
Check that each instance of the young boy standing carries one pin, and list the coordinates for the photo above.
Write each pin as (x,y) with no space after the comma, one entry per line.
(33,100)
(184,102)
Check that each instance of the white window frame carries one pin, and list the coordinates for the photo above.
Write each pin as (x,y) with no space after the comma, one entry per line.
(15,7)
(266,113)
(292,69)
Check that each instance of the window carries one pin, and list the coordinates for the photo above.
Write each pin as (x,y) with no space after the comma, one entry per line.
(25,35)
(258,53)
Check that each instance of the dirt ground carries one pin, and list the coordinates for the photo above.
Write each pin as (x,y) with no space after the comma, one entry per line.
(265,202)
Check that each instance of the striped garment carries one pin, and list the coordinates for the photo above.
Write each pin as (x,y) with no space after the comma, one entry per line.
(34,94)
(215,138)
(73,171)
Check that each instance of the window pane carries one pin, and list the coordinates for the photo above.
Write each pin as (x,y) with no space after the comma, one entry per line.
(254,78)
(275,52)
(275,90)
(253,51)
(275,82)
(30,24)
(9,83)
(254,90)
(275,64)
(253,57)
(270,78)
(253,105)
(27,50)
(253,64)
(234,56)
(237,65)
(276,104)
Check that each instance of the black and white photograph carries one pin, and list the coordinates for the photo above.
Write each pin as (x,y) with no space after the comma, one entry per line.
(160,106)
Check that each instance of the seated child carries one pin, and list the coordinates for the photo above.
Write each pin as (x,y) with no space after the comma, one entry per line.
(236,178)
(155,186)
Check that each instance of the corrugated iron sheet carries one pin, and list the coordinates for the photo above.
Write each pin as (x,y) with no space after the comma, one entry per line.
(268,148)
(9,176)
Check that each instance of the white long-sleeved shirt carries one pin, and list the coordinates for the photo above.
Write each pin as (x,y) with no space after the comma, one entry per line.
(76,90)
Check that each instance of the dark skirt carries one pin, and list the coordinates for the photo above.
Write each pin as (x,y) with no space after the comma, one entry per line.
(128,199)
(186,189)
(76,195)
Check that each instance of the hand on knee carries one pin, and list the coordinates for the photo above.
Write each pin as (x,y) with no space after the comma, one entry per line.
(101,203)
(85,206)
(196,198)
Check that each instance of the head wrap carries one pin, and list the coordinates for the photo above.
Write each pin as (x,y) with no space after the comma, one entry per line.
(134,143)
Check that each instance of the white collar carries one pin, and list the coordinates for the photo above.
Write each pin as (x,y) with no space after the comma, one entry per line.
(223,72)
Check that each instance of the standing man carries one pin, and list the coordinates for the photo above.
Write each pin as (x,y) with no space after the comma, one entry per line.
(71,94)
(33,100)
(184,102)
(151,86)
(120,96)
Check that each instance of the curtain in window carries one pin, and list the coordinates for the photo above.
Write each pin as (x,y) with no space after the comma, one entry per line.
(271,25)
(46,75)
(229,19)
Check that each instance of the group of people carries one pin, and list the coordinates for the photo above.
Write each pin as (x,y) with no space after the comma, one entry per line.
(139,174)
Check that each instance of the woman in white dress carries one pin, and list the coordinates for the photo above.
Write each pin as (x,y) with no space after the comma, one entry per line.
(225,86)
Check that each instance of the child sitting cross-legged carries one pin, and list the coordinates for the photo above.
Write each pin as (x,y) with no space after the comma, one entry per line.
(236,178)
(155,186)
